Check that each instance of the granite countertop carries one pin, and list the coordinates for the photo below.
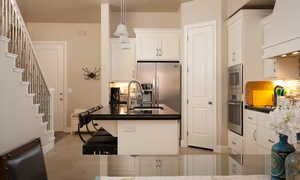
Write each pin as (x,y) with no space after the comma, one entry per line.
(120,112)
(260,109)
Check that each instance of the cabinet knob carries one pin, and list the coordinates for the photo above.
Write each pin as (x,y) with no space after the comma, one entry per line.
(210,103)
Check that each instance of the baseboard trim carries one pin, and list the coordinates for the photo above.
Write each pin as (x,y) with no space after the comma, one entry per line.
(221,149)
(48,147)
(67,130)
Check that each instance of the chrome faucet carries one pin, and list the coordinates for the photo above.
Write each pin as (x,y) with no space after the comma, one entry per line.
(139,94)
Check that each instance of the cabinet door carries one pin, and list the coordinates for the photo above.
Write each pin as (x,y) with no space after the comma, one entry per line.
(169,47)
(250,139)
(235,43)
(123,61)
(270,68)
(148,47)
(235,143)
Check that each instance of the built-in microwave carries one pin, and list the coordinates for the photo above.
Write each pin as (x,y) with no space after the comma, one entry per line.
(235,82)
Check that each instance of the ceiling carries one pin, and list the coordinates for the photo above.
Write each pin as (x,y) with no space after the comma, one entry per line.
(86,10)
(260,4)
(89,10)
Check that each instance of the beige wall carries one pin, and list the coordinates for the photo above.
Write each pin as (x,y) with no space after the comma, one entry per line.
(198,11)
(147,20)
(83,49)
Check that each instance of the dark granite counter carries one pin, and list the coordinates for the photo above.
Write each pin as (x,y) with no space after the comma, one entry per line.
(120,112)
(260,109)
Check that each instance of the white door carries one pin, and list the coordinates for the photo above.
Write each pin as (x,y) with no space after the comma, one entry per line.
(201,86)
(51,56)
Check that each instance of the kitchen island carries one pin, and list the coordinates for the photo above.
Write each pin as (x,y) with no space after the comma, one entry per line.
(143,130)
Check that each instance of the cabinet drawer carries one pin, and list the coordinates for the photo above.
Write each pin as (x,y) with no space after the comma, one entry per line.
(250,117)
(235,143)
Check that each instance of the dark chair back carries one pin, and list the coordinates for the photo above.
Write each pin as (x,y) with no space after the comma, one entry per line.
(24,163)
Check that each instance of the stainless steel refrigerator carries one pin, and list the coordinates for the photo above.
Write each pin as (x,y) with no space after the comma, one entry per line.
(165,78)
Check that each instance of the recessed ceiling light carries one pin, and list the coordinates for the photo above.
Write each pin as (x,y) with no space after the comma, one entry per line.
(295,53)
(285,55)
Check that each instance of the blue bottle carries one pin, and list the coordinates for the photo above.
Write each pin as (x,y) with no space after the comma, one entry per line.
(279,153)
(292,163)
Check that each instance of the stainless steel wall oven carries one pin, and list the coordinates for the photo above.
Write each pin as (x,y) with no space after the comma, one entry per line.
(235,103)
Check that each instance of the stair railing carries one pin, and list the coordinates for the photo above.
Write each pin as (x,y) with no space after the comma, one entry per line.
(14,28)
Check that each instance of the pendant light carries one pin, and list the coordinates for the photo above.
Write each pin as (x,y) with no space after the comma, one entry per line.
(122,28)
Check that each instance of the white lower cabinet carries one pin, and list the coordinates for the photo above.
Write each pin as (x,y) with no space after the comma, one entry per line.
(235,143)
(250,146)
(259,137)
(150,137)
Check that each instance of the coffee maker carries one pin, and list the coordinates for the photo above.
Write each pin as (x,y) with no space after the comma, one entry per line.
(115,95)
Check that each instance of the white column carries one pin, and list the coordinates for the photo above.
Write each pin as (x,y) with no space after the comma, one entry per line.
(105,53)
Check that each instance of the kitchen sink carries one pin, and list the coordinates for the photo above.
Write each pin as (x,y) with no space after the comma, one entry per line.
(147,108)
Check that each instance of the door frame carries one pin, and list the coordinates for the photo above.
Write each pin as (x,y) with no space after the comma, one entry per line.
(65,85)
(185,122)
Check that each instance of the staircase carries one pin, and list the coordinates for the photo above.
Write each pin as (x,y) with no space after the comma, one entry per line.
(25,100)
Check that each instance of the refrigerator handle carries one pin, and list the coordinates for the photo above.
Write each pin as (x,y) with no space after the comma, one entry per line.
(154,91)
(157,90)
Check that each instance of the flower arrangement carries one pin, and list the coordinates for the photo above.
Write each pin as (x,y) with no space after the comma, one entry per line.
(286,120)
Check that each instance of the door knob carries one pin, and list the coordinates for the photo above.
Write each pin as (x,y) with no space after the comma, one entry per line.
(210,103)
(61,99)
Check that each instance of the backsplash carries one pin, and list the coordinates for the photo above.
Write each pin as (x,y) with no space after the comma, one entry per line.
(261,93)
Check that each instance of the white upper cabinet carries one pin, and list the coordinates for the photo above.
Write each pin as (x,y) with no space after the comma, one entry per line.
(123,64)
(245,41)
(235,43)
(158,44)
(270,68)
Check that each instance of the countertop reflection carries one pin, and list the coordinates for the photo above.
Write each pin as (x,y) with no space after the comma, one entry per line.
(183,165)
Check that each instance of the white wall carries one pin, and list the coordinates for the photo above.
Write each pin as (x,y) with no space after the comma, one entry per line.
(19,122)
(198,11)
(83,49)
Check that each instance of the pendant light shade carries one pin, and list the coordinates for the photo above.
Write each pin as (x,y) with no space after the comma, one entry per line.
(124,39)
(121,30)
(125,46)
